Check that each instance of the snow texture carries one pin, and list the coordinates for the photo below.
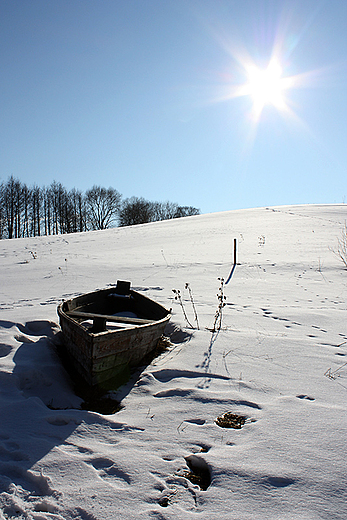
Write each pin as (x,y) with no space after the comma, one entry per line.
(279,360)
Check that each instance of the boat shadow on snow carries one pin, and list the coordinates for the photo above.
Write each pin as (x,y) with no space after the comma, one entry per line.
(49,400)
(43,369)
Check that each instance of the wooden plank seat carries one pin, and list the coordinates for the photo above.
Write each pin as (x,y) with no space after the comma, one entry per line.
(107,317)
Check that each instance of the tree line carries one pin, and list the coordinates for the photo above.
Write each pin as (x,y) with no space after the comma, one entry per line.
(52,210)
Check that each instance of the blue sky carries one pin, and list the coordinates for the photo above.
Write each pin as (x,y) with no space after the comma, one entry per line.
(145,96)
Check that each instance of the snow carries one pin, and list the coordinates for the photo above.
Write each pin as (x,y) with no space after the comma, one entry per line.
(278,360)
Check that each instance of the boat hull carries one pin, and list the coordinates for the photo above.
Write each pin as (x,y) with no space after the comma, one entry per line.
(104,358)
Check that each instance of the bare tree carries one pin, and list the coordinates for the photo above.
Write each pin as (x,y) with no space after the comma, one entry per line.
(53,210)
(135,211)
(14,205)
(47,210)
(57,202)
(9,201)
(102,207)
(139,211)
(18,208)
(36,211)
(186,211)
(78,209)
(163,210)
(2,211)
(26,195)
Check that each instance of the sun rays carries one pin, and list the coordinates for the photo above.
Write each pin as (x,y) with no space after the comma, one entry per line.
(266,87)
(267,76)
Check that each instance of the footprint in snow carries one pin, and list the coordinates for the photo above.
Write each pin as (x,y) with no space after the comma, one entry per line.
(62,420)
(109,471)
(303,396)
(4,350)
(9,451)
(279,481)
(75,449)
(201,448)
(199,422)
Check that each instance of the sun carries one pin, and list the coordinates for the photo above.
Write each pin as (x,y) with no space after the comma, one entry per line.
(265,87)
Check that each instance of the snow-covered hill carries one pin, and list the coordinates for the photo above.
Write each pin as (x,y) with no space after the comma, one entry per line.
(279,360)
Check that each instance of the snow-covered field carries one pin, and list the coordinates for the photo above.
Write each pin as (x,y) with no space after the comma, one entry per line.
(279,360)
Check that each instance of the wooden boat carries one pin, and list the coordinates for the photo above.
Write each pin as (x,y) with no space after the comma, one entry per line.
(107,332)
